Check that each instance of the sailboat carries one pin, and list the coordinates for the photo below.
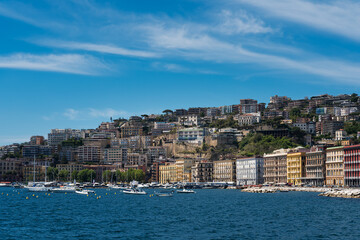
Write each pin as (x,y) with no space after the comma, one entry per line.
(38,187)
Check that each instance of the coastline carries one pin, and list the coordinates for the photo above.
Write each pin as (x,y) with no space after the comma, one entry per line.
(323,191)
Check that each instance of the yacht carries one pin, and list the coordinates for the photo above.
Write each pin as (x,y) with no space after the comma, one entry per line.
(84,191)
(134,191)
(164,194)
(64,189)
(185,191)
(38,187)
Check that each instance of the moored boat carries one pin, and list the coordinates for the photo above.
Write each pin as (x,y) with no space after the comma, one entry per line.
(134,191)
(186,191)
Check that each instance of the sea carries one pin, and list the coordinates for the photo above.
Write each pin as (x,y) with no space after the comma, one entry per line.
(208,214)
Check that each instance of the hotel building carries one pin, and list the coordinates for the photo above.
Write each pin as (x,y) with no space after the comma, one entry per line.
(335,166)
(352,165)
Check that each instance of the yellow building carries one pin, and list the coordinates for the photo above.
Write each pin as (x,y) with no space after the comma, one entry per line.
(335,166)
(295,167)
(168,173)
(183,169)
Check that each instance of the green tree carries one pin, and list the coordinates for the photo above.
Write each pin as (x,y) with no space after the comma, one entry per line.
(106,175)
(139,175)
(74,175)
(52,173)
(63,175)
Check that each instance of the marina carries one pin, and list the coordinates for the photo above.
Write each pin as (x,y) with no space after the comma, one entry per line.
(107,213)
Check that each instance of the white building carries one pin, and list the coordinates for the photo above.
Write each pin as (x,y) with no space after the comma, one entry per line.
(192,135)
(248,119)
(189,120)
(309,127)
(340,135)
(56,136)
(250,171)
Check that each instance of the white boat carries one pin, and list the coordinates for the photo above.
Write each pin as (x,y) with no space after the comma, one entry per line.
(185,191)
(3,185)
(164,194)
(64,189)
(134,191)
(84,191)
(38,188)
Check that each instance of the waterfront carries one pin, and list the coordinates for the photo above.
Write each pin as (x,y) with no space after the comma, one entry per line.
(208,214)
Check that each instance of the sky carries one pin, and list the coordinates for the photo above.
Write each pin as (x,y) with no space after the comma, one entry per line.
(74,64)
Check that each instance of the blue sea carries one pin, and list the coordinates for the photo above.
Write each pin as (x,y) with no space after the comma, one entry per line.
(208,214)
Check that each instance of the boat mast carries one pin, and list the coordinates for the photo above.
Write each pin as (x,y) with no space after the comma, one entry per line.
(34,170)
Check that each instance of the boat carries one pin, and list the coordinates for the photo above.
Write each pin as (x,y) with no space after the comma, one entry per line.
(64,189)
(84,191)
(134,191)
(164,194)
(185,191)
(4,185)
(38,188)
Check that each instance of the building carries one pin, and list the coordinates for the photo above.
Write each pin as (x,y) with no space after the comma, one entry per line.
(335,166)
(330,127)
(275,166)
(190,120)
(136,159)
(154,153)
(308,127)
(225,171)
(295,167)
(340,135)
(70,167)
(248,106)
(131,128)
(248,119)
(31,151)
(183,169)
(10,170)
(168,173)
(191,135)
(250,171)
(212,112)
(197,111)
(315,167)
(37,140)
(115,155)
(352,165)
(180,112)
(89,154)
(56,136)
(28,173)
(202,171)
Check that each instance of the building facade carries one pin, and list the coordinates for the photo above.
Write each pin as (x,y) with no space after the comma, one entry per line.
(352,165)
(315,167)
(250,171)
(202,172)
(295,167)
(335,166)
(275,166)
(225,171)
(168,173)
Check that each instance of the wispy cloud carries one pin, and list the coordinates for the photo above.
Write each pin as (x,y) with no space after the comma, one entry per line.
(110,49)
(71,113)
(338,17)
(107,112)
(240,23)
(183,43)
(66,63)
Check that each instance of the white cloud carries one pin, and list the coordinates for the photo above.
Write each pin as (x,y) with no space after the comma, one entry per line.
(181,42)
(71,113)
(107,112)
(338,17)
(240,22)
(110,49)
(66,63)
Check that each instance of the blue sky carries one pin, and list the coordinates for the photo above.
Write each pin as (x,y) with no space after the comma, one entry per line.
(73,64)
